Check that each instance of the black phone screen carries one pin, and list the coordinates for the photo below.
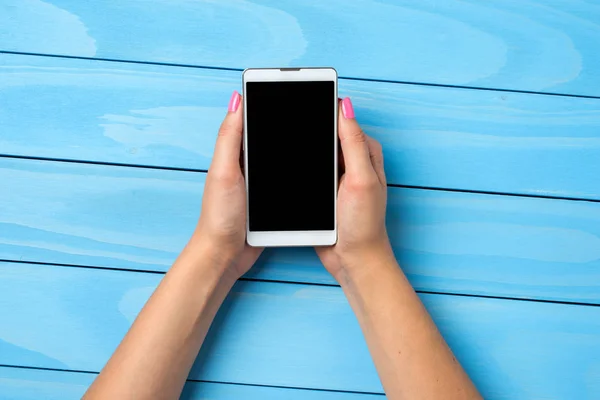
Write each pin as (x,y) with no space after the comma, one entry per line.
(291,155)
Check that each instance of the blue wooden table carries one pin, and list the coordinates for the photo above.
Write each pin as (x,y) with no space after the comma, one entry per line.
(489,115)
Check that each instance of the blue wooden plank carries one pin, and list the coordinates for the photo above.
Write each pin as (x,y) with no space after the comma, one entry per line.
(432,137)
(31,384)
(547,45)
(138,218)
(299,335)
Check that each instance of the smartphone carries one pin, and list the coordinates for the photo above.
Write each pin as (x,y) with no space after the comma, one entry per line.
(291,156)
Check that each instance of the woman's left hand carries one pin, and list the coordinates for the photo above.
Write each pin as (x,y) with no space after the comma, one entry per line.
(222,225)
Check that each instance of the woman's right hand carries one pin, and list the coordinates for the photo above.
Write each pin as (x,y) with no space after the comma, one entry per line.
(362,195)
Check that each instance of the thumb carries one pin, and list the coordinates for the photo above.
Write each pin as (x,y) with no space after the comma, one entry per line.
(355,149)
(229,141)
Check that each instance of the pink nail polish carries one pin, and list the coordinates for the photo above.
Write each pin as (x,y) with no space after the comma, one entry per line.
(234,102)
(347,108)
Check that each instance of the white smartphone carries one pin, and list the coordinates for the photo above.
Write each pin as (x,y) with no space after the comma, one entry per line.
(291,156)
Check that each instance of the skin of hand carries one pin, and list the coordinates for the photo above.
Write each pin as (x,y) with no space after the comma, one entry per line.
(222,221)
(362,198)
(411,357)
(155,357)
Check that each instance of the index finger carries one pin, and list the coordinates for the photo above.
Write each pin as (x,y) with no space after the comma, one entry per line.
(229,142)
(353,140)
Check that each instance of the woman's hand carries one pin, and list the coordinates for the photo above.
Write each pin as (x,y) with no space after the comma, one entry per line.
(361,203)
(411,357)
(221,229)
(156,355)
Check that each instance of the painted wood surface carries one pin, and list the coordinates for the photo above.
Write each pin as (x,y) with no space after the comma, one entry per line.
(432,137)
(295,335)
(31,384)
(298,335)
(137,218)
(536,45)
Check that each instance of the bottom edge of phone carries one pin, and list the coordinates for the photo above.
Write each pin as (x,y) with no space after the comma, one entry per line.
(291,239)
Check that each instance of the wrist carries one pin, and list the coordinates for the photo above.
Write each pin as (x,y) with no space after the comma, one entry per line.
(204,254)
(354,265)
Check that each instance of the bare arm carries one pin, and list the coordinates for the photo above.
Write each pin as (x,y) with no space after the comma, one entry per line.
(411,357)
(155,357)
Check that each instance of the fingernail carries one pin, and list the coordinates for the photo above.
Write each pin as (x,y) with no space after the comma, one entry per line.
(347,108)
(234,102)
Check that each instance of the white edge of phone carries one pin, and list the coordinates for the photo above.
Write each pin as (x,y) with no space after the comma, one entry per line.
(292,238)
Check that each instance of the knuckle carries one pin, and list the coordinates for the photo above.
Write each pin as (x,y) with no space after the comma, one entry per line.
(226,130)
(378,147)
(357,135)
(226,177)
(222,132)
(367,182)
(375,146)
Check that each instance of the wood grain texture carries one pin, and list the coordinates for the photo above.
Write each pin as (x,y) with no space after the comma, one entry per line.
(536,45)
(432,137)
(136,218)
(31,384)
(298,335)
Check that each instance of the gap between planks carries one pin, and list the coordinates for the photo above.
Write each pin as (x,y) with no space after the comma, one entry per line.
(481,296)
(340,77)
(77,371)
(159,167)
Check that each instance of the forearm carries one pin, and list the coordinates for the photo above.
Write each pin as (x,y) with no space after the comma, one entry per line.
(154,358)
(411,356)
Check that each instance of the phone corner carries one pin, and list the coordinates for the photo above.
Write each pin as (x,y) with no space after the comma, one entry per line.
(332,239)
(250,241)
(334,72)
(245,72)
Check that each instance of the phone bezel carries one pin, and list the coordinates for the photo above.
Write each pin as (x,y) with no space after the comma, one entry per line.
(292,238)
